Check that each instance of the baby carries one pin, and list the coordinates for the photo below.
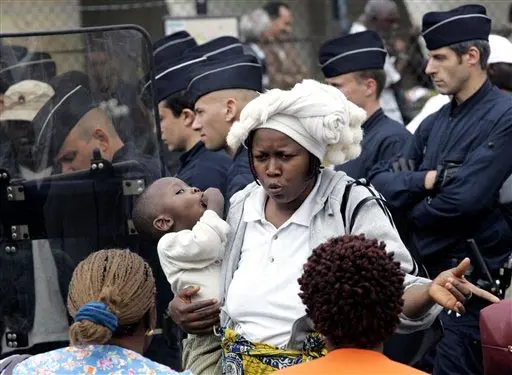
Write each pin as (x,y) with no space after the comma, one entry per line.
(190,231)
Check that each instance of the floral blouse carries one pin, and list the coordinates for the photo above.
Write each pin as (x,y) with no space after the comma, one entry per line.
(91,359)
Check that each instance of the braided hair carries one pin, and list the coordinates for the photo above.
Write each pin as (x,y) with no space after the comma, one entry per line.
(120,279)
(353,291)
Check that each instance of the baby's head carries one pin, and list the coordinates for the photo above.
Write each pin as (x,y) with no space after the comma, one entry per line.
(167,205)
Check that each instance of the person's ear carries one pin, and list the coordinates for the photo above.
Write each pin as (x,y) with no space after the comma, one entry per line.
(231,110)
(370,87)
(163,223)
(102,138)
(473,56)
(188,117)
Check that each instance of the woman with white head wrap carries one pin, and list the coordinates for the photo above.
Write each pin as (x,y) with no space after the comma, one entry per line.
(317,116)
(293,206)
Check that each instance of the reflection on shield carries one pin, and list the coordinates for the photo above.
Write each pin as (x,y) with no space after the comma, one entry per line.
(78,144)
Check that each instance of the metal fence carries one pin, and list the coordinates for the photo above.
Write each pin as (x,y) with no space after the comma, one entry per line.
(315,22)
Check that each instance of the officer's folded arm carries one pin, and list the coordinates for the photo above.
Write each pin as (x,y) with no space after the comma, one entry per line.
(398,179)
(472,188)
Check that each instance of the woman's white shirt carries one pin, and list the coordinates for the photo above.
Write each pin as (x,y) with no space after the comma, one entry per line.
(263,298)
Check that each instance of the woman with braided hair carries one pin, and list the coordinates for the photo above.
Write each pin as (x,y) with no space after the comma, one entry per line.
(112,301)
(294,206)
(367,292)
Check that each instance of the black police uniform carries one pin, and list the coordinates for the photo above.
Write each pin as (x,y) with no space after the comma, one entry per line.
(469,145)
(230,72)
(382,137)
(204,169)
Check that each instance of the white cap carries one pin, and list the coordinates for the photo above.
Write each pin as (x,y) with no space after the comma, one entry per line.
(501,50)
(24,99)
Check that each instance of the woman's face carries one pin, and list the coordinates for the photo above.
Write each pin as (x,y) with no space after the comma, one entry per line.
(281,166)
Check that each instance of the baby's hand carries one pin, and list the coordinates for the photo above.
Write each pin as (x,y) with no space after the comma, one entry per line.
(214,200)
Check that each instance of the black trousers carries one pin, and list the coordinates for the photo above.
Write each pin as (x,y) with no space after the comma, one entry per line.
(459,352)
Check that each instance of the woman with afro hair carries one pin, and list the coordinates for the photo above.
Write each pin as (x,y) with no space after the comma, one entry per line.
(352,290)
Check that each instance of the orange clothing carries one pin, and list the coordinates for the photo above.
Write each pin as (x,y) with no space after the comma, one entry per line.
(351,362)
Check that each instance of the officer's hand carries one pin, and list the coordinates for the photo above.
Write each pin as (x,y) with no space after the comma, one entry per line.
(404,165)
(451,290)
(194,317)
(214,200)
(430,180)
(445,172)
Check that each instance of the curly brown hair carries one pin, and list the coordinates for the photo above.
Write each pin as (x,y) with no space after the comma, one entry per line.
(353,291)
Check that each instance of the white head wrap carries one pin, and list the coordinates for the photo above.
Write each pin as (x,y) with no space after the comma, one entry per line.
(316,116)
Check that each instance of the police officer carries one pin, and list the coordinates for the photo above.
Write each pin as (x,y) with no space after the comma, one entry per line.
(169,47)
(355,65)
(449,175)
(70,126)
(220,88)
(197,166)
(172,46)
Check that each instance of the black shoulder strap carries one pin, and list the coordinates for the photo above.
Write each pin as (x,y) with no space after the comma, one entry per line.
(8,364)
(385,206)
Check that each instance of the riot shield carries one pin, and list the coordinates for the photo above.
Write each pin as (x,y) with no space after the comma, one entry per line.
(77,146)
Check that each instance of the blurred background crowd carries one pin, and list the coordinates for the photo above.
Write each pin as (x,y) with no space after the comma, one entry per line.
(275,34)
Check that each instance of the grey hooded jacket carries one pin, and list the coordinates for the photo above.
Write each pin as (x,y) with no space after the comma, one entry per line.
(325,224)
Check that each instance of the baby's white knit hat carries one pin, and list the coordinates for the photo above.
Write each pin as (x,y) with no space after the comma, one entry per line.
(316,116)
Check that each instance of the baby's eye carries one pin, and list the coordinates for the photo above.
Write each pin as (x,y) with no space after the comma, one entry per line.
(181,191)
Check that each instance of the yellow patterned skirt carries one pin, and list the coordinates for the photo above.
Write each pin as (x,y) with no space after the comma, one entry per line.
(242,357)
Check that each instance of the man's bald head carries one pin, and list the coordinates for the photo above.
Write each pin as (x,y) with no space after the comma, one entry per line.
(242,96)
(96,118)
(216,112)
(167,205)
(93,131)
(148,206)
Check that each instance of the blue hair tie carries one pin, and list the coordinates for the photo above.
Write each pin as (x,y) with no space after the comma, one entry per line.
(97,312)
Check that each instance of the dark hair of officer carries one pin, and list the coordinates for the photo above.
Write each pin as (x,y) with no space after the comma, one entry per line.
(378,75)
(353,291)
(178,102)
(273,7)
(482,46)
(121,280)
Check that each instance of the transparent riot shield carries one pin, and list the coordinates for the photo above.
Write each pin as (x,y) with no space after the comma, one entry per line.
(78,144)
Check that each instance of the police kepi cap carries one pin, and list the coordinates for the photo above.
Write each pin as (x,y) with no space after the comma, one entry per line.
(25,99)
(218,47)
(59,116)
(37,66)
(172,46)
(233,72)
(171,76)
(462,24)
(352,53)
